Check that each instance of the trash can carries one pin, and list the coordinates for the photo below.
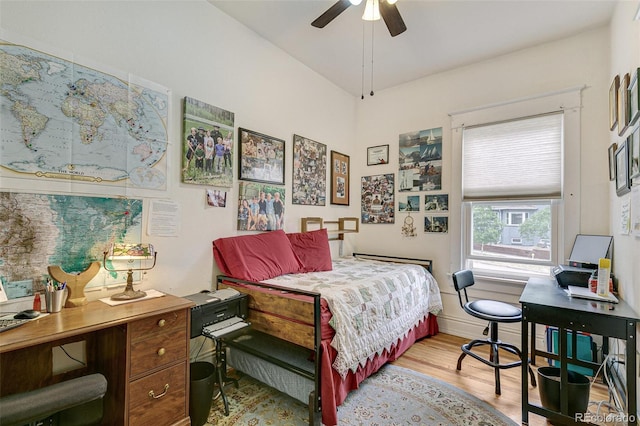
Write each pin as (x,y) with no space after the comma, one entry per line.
(549,388)
(202,383)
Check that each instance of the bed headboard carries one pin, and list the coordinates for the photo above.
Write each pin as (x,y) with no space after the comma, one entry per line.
(344,225)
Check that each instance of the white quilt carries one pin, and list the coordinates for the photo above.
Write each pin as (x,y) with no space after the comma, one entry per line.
(373,304)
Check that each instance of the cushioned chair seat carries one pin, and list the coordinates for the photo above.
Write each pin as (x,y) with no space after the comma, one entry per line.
(495,312)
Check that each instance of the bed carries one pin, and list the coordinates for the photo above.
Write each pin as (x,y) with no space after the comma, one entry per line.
(321,326)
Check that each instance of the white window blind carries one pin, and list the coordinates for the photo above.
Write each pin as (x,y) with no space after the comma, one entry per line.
(516,159)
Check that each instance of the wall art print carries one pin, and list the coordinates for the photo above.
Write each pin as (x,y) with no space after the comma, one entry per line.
(436,224)
(420,161)
(309,172)
(408,203)
(436,203)
(261,157)
(207,154)
(340,169)
(377,200)
(260,207)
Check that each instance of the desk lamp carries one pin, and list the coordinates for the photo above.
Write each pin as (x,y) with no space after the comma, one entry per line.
(130,253)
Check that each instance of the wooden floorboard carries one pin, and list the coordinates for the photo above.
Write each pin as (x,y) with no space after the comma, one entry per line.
(437,357)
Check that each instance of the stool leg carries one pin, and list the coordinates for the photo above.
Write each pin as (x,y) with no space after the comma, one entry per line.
(462,355)
(495,358)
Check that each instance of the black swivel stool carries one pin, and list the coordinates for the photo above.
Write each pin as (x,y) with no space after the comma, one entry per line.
(495,312)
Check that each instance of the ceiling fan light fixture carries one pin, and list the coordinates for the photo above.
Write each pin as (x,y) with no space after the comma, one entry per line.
(371,11)
(355,2)
(392,1)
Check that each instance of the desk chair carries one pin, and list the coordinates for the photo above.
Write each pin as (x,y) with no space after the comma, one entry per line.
(74,402)
(495,312)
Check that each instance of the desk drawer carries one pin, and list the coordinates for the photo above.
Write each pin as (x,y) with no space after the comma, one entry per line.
(168,402)
(157,351)
(163,323)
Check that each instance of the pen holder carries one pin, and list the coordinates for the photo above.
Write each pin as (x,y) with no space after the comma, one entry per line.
(54,300)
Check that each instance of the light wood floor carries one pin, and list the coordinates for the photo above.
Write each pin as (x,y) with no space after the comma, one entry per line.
(437,357)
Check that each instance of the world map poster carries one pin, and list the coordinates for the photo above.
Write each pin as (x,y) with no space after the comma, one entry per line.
(70,231)
(63,120)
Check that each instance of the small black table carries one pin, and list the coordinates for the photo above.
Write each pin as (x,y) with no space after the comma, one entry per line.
(544,302)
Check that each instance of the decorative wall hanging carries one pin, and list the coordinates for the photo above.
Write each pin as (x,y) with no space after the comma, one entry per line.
(408,203)
(623,105)
(377,202)
(623,183)
(260,157)
(634,97)
(613,102)
(339,178)
(436,224)
(309,172)
(420,160)
(207,153)
(377,155)
(408,229)
(436,203)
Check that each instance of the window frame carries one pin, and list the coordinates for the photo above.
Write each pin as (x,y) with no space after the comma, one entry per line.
(564,210)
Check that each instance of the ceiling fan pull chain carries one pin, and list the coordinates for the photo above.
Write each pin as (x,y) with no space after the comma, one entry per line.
(372,29)
(362,79)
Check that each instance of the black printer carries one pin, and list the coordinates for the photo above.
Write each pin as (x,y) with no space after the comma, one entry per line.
(586,252)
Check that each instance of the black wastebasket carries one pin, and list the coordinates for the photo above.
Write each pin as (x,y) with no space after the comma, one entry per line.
(201,391)
(549,388)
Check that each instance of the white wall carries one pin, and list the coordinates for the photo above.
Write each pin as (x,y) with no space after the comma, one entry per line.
(425,103)
(195,50)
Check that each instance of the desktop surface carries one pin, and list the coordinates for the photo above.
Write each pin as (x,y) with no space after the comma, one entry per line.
(547,293)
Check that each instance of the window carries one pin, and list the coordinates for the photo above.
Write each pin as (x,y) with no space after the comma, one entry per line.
(511,181)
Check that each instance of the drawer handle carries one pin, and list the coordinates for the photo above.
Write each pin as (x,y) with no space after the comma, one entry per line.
(161,351)
(162,323)
(154,396)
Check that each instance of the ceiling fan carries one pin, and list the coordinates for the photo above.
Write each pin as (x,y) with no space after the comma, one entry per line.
(374,9)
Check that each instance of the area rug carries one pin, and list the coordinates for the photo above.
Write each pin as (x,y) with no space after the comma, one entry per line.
(392,396)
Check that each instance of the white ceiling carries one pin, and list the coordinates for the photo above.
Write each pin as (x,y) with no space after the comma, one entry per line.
(440,35)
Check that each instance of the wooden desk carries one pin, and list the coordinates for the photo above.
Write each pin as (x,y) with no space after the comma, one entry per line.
(544,302)
(142,348)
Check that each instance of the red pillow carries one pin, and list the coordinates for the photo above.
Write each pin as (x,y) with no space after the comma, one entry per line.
(256,257)
(312,248)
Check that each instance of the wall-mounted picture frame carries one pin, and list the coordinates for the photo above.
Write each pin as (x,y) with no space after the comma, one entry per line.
(261,207)
(436,203)
(339,178)
(623,105)
(260,157)
(408,203)
(612,161)
(613,102)
(634,97)
(436,224)
(623,183)
(377,155)
(309,186)
(208,144)
(634,153)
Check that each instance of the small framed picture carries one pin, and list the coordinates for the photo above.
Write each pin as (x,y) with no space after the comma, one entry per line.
(260,158)
(623,183)
(634,97)
(634,153)
(613,102)
(612,160)
(339,178)
(623,105)
(377,155)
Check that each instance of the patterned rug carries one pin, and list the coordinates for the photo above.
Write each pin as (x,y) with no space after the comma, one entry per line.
(393,396)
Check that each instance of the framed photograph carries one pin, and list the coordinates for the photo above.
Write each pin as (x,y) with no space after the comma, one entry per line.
(436,224)
(623,183)
(339,178)
(623,105)
(260,207)
(436,203)
(207,154)
(309,172)
(260,157)
(377,202)
(633,143)
(613,102)
(634,98)
(377,155)
(408,203)
(612,160)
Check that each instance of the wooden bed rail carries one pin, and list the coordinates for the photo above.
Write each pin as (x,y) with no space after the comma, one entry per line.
(425,263)
(345,225)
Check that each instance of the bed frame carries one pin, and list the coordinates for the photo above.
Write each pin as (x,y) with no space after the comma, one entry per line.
(286,328)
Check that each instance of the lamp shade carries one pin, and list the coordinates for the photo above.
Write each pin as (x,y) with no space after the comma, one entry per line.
(124,251)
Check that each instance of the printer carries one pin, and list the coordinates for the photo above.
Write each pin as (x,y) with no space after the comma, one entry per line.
(583,261)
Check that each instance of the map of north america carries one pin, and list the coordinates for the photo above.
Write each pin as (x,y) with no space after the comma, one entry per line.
(62,120)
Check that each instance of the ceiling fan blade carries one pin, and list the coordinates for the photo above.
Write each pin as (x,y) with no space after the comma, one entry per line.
(331,13)
(392,18)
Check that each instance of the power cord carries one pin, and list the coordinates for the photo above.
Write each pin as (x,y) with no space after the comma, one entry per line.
(615,410)
(72,358)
